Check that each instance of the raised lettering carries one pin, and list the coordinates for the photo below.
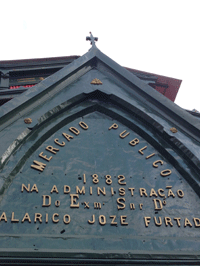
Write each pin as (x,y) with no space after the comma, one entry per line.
(67,136)
(147,221)
(160,194)
(53,218)
(26,217)
(170,193)
(13,220)
(151,155)
(134,142)
(121,178)
(38,216)
(156,202)
(57,203)
(38,166)
(100,190)
(114,126)
(97,205)
(180,193)
(47,218)
(123,220)
(3,217)
(187,222)
(131,189)
(86,205)
(54,189)
(122,191)
(196,222)
(66,216)
(168,221)
(83,125)
(34,188)
(156,222)
(102,219)
(52,149)
(58,143)
(26,188)
(45,157)
(165,172)
(95,179)
(121,203)
(108,180)
(84,179)
(113,217)
(73,201)
(155,164)
(44,204)
(143,192)
(74,130)
(141,150)
(93,220)
(67,189)
(80,191)
(153,193)
(123,135)
(178,221)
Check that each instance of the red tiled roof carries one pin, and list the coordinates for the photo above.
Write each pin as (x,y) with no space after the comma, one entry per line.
(167,86)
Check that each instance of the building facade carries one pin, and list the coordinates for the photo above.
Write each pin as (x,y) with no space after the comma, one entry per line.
(97,167)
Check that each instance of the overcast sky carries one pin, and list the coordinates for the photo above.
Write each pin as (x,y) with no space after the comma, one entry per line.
(160,37)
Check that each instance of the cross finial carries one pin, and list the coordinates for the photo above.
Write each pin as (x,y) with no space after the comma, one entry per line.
(92,39)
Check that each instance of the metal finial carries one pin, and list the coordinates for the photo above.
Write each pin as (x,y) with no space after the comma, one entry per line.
(92,39)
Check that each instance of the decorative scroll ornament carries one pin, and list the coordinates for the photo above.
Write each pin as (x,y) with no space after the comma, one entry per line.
(96,82)
(27,120)
(173,130)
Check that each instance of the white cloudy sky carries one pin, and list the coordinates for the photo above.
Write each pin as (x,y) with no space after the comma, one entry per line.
(160,37)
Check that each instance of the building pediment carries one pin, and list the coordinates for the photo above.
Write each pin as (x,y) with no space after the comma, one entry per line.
(95,164)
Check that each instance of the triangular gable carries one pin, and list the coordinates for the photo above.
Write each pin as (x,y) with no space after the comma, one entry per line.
(96,59)
(79,153)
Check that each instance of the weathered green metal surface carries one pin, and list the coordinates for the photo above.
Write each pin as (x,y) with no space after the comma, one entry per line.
(98,151)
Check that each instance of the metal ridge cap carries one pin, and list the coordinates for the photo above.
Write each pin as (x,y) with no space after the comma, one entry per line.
(155,97)
(32,94)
